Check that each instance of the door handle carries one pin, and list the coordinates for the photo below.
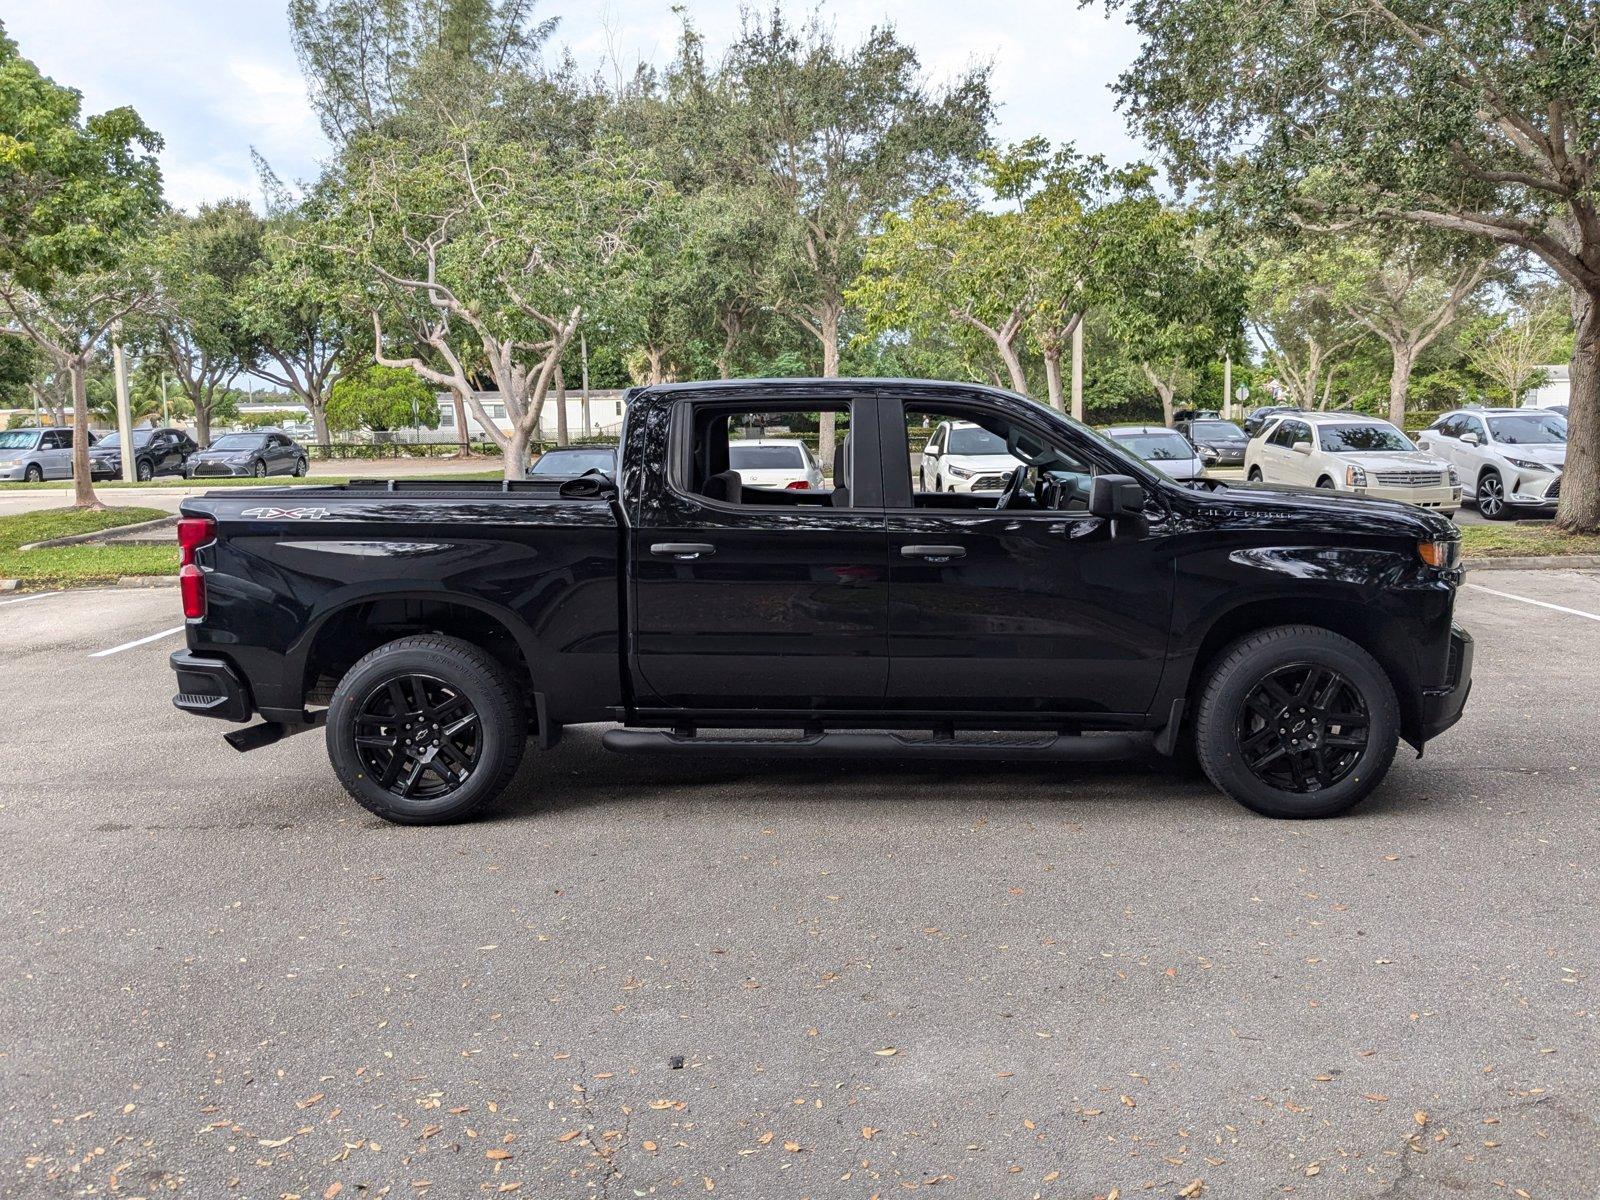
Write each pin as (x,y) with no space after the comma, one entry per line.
(684,551)
(933,553)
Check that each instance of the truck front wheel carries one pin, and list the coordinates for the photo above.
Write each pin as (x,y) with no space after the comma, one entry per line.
(1297,721)
(426,730)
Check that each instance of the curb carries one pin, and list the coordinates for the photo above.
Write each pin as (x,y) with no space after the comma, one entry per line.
(8,585)
(1543,562)
(77,539)
(147,581)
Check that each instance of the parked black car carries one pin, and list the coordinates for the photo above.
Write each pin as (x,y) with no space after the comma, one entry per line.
(1258,418)
(156,452)
(564,462)
(1221,443)
(1290,637)
(258,453)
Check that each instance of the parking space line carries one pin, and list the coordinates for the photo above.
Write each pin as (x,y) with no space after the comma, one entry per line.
(1576,612)
(138,642)
(25,599)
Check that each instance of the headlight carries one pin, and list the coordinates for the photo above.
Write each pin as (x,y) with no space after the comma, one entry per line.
(238,458)
(1524,464)
(1444,553)
(1355,477)
(960,472)
(9,462)
(1455,480)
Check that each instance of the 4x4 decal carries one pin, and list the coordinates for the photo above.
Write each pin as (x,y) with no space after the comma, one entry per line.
(285,514)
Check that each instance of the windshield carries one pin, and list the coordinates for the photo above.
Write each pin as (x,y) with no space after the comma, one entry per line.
(1166,446)
(1529,430)
(18,439)
(112,441)
(238,441)
(975,441)
(764,458)
(1348,439)
(574,462)
(1216,431)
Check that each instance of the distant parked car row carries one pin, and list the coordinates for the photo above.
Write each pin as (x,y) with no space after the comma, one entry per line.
(35,455)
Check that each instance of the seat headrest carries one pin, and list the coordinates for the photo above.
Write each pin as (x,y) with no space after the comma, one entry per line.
(726,486)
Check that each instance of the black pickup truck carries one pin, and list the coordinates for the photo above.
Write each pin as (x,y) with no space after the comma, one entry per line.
(1286,640)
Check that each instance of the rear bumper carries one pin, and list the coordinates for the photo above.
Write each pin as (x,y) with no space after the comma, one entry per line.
(210,687)
(1442,706)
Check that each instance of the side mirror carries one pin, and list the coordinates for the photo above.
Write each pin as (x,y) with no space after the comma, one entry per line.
(1302,447)
(1115,495)
(1471,438)
(932,452)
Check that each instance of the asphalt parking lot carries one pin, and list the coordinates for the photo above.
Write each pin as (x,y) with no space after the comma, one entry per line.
(222,978)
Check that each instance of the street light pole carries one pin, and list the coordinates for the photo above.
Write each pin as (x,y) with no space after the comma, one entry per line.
(119,364)
(1227,386)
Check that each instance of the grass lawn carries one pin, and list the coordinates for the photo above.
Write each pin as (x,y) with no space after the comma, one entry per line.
(167,481)
(1501,541)
(57,565)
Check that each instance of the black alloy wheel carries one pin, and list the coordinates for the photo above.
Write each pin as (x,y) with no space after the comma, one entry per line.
(1303,728)
(418,737)
(1491,497)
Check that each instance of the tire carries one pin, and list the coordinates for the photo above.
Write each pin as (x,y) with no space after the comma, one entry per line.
(144,472)
(1491,496)
(1276,660)
(1325,484)
(301,466)
(34,474)
(485,752)
(1255,475)
(259,470)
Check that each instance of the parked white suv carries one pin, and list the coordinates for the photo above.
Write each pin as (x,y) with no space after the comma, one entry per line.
(1346,452)
(1510,458)
(775,463)
(963,457)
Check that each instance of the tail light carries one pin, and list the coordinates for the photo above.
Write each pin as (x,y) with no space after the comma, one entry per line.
(799,485)
(193,532)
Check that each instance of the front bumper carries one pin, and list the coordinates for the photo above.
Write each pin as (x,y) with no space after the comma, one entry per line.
(1534,490)
(20,471)
(1442,498)
(1222,457)
(983,481)
(218,470)
(1442,706)
(210,687)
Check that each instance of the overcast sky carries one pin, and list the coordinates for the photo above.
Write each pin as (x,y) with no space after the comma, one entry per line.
(216,77)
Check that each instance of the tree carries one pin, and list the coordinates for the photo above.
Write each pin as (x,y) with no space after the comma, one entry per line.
(381,398)
(844,136)
(495,248)
(200,322)
(75,192)
(1478,119)
(294,308)
(1304,333)
(1514,352)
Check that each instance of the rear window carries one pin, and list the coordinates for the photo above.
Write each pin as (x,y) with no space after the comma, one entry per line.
(764,458)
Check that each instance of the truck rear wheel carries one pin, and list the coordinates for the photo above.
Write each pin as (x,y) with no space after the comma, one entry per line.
(426,730)
(1297,721)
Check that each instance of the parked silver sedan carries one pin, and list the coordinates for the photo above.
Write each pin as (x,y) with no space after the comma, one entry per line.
(1163,448)
(34,455)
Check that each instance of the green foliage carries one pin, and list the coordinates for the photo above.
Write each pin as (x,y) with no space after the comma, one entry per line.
(381,398)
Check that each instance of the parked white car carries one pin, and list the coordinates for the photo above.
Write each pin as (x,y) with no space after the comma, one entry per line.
(1345,452)
(785,463)
(1165,449)
(963,457)
(1510,458)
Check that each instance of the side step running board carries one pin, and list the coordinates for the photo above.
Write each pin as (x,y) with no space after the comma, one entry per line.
(1019,747)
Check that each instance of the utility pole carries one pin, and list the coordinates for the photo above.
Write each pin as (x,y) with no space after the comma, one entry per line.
(130,472)
(166,414)
(583,348)
(1227,385)
(1077,370)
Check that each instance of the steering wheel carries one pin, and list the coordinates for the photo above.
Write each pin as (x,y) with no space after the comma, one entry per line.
(1012,496)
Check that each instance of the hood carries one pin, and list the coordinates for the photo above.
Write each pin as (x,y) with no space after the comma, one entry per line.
(1393,460)
(981,462)
(220,453)
(1317,510)
(1554,456)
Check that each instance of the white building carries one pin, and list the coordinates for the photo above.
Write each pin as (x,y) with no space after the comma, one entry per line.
(1556,388)
(601,417)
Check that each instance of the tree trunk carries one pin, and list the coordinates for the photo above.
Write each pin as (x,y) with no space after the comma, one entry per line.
(1077,370)
(1052,377)
(516,454)
(563,438)
(828,332)
(1013,361)
(1579,511)
(202,424)
(1163,389)
(463,438)
(654,356)
(319,422)
(82,487)
(1400,383)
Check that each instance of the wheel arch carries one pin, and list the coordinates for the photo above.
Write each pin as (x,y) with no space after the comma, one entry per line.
(1379,634)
